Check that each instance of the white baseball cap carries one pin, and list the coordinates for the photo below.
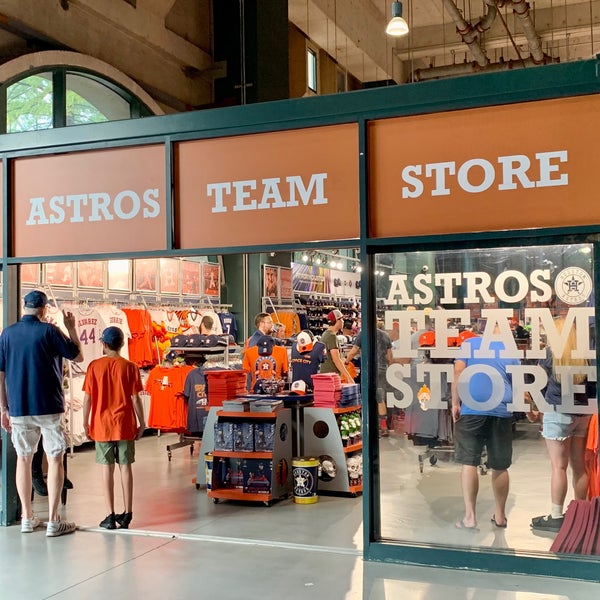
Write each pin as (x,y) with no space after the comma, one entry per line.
(298,387)
(305,341)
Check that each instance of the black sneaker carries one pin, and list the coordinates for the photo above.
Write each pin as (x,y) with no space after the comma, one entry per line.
(124,519)
(109,522)
(39,485)
(547,523)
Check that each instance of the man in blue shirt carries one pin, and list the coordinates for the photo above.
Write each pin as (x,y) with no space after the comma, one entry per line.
(481,419)
(32,401)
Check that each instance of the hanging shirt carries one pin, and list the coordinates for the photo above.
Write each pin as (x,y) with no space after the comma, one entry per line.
(140,343)
(265,366)
(194,391)
(229,324)
(113,316)
(168,410)
(89,326)
(305,364)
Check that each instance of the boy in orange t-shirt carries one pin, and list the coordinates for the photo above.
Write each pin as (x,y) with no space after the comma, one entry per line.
(113,417)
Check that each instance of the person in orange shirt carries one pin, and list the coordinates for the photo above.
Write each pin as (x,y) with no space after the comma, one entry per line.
(113,417)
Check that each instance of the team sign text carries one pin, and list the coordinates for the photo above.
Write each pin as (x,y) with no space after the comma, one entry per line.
(255,194)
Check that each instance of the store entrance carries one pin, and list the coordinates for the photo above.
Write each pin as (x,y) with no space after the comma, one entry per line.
(160,304)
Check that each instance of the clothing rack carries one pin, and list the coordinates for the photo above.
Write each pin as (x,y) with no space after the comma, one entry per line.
(184,440)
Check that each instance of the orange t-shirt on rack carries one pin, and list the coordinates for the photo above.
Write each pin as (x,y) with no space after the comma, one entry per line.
(168,408)
(140,343)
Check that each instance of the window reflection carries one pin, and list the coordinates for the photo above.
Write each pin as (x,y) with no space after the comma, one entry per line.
(29,104)
(495,329)
(89,101)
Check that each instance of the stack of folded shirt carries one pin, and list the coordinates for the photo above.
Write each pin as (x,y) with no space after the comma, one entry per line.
(240,405)
(327,389)
(224,384)
(350,395)
(265,405)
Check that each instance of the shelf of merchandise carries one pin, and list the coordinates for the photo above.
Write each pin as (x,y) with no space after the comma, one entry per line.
(322,438)
(280,457)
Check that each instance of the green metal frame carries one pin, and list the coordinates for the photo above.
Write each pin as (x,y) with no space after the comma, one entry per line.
(553,81)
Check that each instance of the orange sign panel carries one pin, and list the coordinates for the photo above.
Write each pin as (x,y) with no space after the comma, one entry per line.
(90,202)
(488,169)
(269,188)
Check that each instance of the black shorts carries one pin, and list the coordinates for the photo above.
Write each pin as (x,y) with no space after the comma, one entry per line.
(473,432)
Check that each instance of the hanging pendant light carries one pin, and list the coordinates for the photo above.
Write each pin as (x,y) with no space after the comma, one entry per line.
(397,25)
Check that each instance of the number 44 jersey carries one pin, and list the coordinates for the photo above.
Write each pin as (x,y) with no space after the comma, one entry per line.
(89,325)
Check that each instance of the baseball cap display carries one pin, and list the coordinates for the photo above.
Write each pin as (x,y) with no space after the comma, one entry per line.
(334,316)
(35,299)
(298,387)
(265,345)
(112,336)
(305,341)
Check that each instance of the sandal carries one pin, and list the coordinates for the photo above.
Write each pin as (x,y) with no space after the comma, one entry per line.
(503,526)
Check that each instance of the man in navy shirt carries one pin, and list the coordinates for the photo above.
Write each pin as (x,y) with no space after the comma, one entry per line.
(32,401)
(264,326)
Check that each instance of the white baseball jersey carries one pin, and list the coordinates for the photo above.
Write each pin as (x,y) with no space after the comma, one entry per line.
(113,316)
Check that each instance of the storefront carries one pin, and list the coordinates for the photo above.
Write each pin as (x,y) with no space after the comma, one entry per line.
(476,208)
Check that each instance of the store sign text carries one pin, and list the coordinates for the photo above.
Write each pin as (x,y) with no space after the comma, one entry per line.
(270,193)
(93,207)
(473,287)
(478,175)
(526,378)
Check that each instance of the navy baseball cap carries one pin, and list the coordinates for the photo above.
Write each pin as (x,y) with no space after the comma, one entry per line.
(113,337)
(35,299)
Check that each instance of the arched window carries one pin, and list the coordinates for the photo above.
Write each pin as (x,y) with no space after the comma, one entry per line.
(64,96)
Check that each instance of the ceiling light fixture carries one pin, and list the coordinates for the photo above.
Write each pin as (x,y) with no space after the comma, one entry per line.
(305,258)
(397,25)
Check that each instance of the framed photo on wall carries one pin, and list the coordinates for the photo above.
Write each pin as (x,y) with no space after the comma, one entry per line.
(30,273)
(146,274)
(169,276)
(190,278)
(60,274)
(211,277)
(270,281)
(119,275)
(90,274)
(285,282)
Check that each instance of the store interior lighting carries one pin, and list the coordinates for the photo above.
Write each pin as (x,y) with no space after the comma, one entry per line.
(397,26)
(333,259)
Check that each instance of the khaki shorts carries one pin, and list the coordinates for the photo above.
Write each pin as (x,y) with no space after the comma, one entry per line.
(26,433)
(109,453)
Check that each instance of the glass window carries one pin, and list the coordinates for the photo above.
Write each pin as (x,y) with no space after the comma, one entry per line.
(89,101)
(29,104)
(311,64)
(489,395)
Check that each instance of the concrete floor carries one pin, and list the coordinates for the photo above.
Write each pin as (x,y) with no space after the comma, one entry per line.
(181,545)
